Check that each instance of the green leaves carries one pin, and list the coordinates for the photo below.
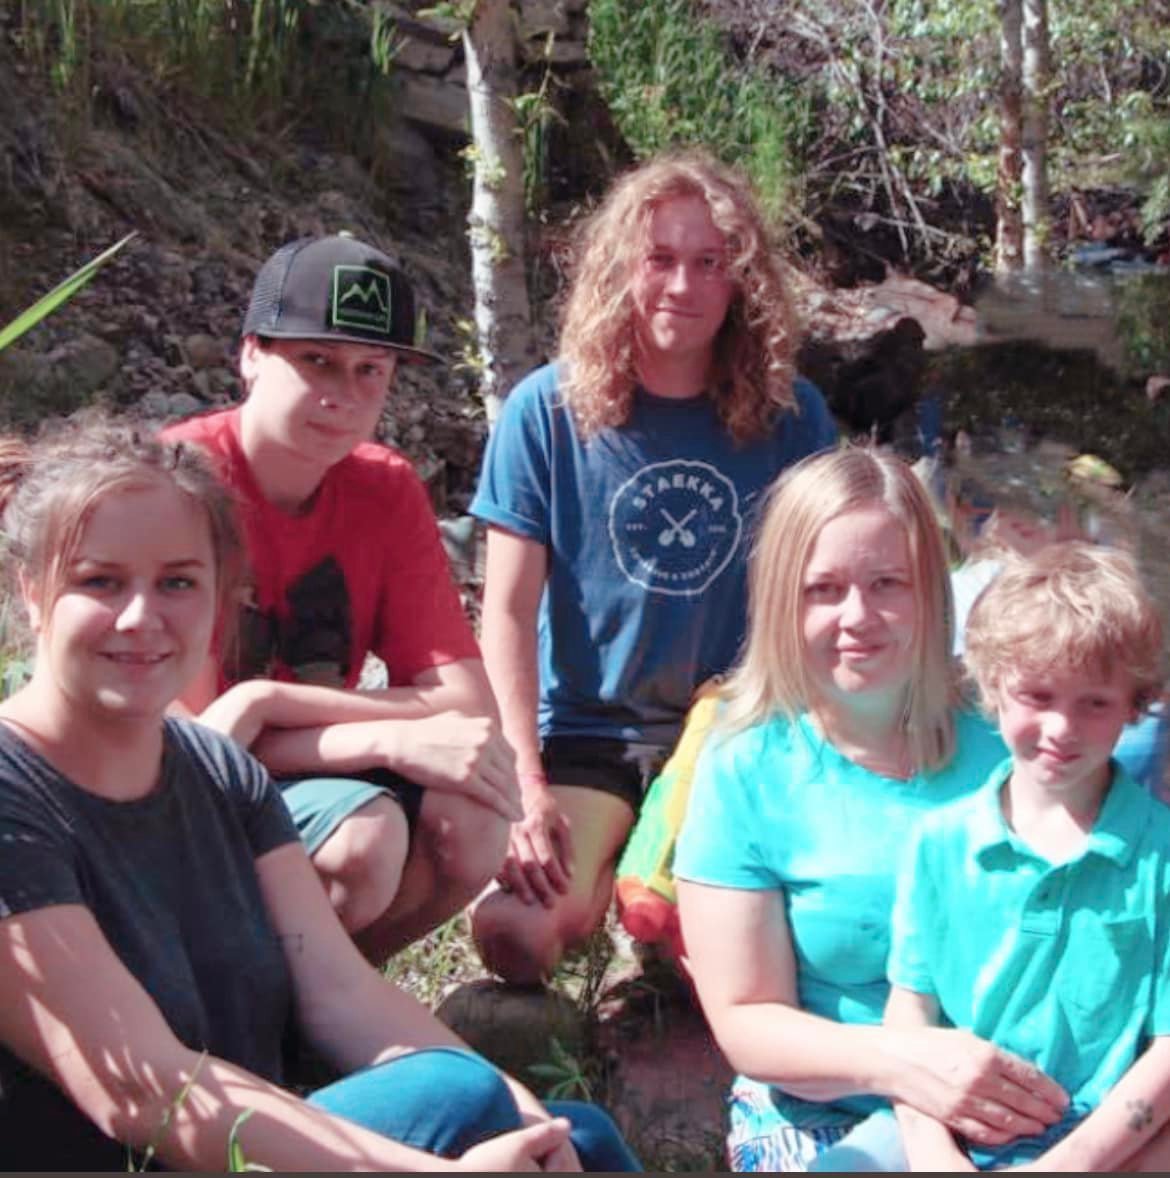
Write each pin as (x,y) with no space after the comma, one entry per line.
(58,295)
(668,80)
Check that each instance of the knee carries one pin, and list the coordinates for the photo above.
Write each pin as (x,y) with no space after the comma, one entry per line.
(442,1100)
(361,863)
(522,943)
(465,841)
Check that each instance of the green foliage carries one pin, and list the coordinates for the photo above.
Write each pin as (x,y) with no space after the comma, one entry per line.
(535,116)
(146,1160)
(257,59)
(668,81)
(59,294)
(457,13)
(1143,312)
(564,1075)
(897,119)
(237,1160)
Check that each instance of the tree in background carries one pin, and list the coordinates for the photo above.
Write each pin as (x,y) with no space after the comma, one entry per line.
(503,318)
(1009,231)
(1036,210)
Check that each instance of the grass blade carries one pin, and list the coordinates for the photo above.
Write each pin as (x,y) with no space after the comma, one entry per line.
(59,294)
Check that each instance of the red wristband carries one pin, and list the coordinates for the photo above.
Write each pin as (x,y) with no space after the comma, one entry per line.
(534,777)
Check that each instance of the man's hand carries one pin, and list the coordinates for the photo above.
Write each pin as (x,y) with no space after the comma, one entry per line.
(537,1147)
(459,754)
(540,851)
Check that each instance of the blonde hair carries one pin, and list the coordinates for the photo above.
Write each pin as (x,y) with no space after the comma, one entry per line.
(772,675)
(1071,605)
(753,363)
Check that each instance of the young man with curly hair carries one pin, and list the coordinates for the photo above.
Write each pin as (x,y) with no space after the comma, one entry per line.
(620,488)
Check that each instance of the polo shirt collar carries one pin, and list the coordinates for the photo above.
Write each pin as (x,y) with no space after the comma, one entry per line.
(1115,834)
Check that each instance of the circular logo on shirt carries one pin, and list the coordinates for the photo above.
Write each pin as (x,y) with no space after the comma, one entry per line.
(674,526)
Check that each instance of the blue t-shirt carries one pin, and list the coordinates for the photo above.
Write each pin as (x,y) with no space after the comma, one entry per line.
(1067,965)
(647,529)
(775,807)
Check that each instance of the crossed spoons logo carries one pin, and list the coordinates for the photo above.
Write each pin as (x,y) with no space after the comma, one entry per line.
(674,526)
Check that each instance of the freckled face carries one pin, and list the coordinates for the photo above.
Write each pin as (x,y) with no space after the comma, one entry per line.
(859,612)
(133,621)
(681,290)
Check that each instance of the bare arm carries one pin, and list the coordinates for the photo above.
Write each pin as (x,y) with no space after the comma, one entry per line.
(740,952)
(539,862)
(1136,1110)
(352,1014)
(441,732)
(75,1013)
(514,577)
(928,1142)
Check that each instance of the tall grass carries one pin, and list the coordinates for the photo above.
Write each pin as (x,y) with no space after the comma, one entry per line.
(668,81)
(255,59)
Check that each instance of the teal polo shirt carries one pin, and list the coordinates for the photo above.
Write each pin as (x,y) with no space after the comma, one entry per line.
(776,807)
(1064,964)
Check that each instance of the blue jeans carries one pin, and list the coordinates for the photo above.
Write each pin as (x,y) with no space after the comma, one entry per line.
(445,1100)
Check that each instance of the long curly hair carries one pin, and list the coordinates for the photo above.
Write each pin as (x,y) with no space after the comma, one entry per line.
(753,352)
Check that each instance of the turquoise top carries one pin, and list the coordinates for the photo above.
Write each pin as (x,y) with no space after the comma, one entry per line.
(776,807)
(1066,965)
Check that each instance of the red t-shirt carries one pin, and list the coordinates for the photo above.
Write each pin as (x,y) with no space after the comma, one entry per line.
(363,570)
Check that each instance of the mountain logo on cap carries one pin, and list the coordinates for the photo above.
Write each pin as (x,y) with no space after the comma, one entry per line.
(361,298)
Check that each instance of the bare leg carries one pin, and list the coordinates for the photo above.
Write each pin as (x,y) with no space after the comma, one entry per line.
(361,862)
(459,846)
(522,943)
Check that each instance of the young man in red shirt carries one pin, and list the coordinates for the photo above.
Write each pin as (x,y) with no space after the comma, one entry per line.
(403,795)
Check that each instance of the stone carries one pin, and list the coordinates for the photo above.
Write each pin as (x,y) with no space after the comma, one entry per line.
(184,404)
(83,364)
(423,55)
(434,103)
(538,18)
(203,351)
(513,1026)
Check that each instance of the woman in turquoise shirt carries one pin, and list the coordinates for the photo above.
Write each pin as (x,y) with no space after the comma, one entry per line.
(839,727)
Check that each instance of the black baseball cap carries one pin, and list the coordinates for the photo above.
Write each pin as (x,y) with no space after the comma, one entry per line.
(334,288)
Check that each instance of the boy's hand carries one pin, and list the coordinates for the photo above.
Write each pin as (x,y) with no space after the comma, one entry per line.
(461,754)
(540,852)
(534,1148)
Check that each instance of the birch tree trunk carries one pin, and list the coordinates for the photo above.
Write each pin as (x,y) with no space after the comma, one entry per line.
(503,319)
(1037,77)
(1009,233)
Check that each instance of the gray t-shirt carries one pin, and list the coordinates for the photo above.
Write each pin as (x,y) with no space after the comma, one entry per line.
(171,881)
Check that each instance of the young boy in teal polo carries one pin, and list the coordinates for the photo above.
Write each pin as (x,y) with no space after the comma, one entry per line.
(1036,912)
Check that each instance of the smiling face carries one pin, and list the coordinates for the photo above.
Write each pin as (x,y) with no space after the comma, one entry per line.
(858,607)
(681,289)
(1061,725)
(132,620)
(314,400)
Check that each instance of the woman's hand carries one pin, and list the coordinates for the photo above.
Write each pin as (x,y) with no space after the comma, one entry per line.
(980,1091)
(535,1147)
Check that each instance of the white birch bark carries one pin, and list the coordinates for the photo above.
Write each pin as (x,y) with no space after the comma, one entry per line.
(496,222)
(1037,78)
(1009,232)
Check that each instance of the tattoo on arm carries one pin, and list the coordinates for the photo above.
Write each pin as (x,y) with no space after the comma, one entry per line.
(1141,1113)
